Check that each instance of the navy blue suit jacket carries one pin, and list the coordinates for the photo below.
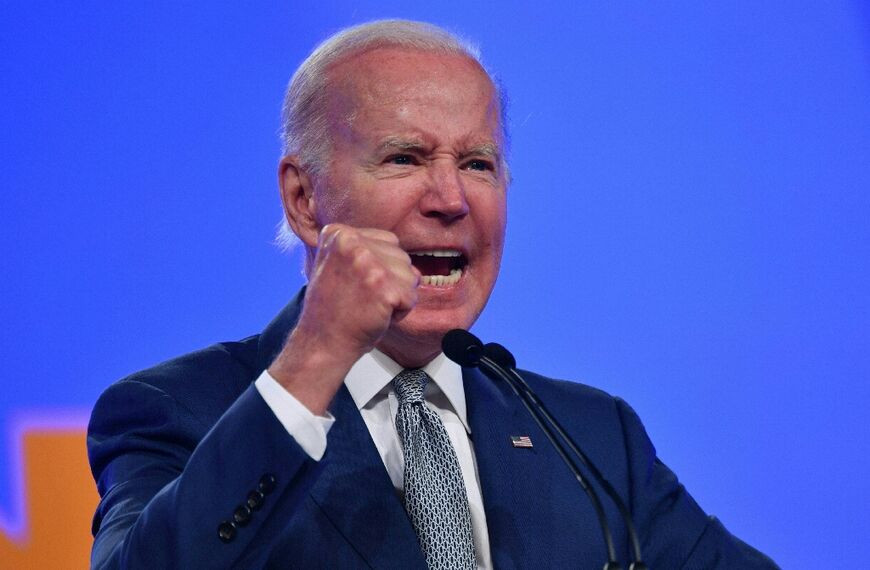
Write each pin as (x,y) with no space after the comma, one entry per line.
(177,448)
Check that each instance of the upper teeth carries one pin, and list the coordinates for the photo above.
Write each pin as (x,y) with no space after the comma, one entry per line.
(439,253)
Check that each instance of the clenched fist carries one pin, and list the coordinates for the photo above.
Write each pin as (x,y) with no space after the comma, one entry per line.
(361,282)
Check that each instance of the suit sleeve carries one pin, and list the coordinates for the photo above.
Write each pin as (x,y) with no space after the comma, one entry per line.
(173,498)
(674,531)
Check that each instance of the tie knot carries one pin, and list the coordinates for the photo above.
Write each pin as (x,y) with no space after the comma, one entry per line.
(409,386)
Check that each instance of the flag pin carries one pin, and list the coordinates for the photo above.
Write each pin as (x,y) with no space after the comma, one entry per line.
(523,441)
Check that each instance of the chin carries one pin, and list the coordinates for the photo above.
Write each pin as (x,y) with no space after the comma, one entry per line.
(416,338)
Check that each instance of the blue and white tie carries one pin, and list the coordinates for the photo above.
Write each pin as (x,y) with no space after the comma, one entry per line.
(435,496)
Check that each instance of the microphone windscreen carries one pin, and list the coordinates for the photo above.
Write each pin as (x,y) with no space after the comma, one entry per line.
(462,347)
(500,355)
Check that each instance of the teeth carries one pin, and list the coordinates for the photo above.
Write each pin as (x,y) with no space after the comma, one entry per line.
(439,253)
(442,280)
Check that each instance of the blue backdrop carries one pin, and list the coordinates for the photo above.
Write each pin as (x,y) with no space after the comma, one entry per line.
(688,225)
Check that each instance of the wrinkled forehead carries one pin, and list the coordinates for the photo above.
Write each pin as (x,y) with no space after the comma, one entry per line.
(383,79)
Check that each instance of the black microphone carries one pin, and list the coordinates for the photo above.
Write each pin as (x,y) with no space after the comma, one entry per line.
(504,358)
(462,347)
(467,350)
(501,355)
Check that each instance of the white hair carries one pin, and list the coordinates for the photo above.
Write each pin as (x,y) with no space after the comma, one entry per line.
(305,128)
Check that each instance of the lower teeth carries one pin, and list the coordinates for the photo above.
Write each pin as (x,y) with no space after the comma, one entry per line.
(442,280)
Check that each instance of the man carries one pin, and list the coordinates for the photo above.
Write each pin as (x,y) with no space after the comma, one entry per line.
(341,436)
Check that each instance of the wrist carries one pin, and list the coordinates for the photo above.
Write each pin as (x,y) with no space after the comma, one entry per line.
(311,369)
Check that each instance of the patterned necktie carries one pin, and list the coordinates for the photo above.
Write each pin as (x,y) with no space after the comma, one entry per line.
(435,497)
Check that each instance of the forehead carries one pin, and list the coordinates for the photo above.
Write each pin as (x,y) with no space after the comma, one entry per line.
(389,87)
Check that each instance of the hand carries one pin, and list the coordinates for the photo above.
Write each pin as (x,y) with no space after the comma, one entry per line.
(361,282)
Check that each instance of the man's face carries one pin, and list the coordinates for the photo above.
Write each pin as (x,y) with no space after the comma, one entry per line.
(416,150)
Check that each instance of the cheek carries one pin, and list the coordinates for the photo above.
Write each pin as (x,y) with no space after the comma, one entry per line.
(331,207)
(492,217)
(331,199)
(348,203)
(384,206)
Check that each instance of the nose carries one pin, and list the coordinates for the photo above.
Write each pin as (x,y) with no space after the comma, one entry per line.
(445,192)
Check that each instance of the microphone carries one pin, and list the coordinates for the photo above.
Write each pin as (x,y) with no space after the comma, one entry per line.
(462,347)
(504,358)
(501,355)
(467,350)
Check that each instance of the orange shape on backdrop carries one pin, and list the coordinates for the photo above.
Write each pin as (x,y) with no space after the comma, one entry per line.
(60,498)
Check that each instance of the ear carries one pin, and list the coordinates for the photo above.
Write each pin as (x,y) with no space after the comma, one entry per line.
(297,195)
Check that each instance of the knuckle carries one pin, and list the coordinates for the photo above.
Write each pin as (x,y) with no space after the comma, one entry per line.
(361,257)
(329,234)
(329,230)
(390,237)
(391,298)
(347,243)
(375,277)
(383,235)
(413,276)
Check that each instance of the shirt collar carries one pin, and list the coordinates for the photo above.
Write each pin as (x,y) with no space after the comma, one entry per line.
(374,371)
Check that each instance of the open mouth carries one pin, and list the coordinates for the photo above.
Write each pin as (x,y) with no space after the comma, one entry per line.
(439,267)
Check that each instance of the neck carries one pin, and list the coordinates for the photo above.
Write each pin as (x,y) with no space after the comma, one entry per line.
(409,355)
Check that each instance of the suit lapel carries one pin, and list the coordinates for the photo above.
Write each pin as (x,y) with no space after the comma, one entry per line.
(356,494)
(535,512)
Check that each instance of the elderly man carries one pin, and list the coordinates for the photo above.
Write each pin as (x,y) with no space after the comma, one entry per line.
(341,436)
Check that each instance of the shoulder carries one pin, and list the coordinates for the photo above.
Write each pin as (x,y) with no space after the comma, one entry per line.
(204,382)
(178,400)
(565,388)
(607,422)
(221,365)
(677,533)
(576,397)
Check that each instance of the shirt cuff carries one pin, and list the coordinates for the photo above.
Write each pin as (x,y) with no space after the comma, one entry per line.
(307,429)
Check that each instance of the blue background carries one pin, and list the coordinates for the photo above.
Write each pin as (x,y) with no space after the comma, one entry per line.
(688,225)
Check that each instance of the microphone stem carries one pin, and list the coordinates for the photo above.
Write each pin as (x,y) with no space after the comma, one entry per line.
(605,484)
(493,368)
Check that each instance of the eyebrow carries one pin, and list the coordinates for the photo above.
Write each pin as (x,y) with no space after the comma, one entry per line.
(489,150)
(399,143)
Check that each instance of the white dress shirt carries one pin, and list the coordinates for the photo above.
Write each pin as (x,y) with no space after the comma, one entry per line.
(369,383)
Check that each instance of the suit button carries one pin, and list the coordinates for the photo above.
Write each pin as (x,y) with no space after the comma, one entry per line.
(242,515)
(255,500)
(267,484)
(226,531)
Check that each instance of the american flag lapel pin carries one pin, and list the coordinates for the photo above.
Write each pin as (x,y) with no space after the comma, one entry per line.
(523,441)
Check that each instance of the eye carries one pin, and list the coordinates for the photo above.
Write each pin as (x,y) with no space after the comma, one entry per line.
(479,164)
(401,159)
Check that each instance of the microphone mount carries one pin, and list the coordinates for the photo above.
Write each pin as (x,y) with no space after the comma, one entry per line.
(497,362)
